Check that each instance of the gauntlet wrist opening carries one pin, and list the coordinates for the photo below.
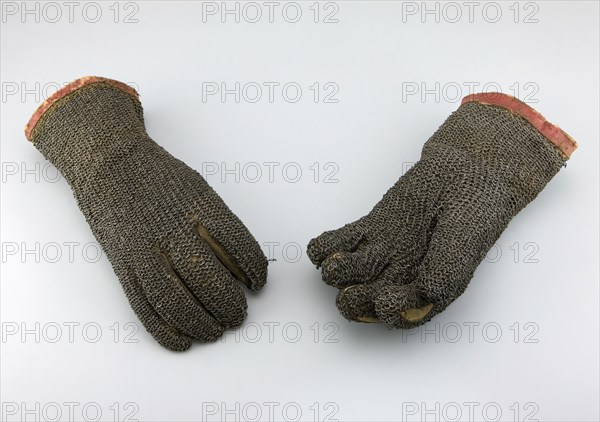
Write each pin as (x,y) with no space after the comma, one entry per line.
(555,135)
(69,89)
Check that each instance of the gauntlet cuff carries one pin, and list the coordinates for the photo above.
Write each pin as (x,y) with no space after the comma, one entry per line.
(551,132)
(68,89)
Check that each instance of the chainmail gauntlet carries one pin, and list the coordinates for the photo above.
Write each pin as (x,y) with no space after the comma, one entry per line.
(417,250)
(177,249)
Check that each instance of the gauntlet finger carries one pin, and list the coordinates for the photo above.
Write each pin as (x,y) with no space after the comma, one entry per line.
(165,334)
(355,303)
(403,306)
(173,300)
(347,268)
(209,281)
(345,239)
(231,242)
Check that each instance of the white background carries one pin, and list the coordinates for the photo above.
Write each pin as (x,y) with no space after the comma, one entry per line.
(533,307)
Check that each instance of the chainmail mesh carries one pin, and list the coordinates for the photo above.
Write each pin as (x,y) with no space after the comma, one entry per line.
(421,244)
(166,232)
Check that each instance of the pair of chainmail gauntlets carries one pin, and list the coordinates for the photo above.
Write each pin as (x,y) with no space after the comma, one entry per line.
(180,252)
